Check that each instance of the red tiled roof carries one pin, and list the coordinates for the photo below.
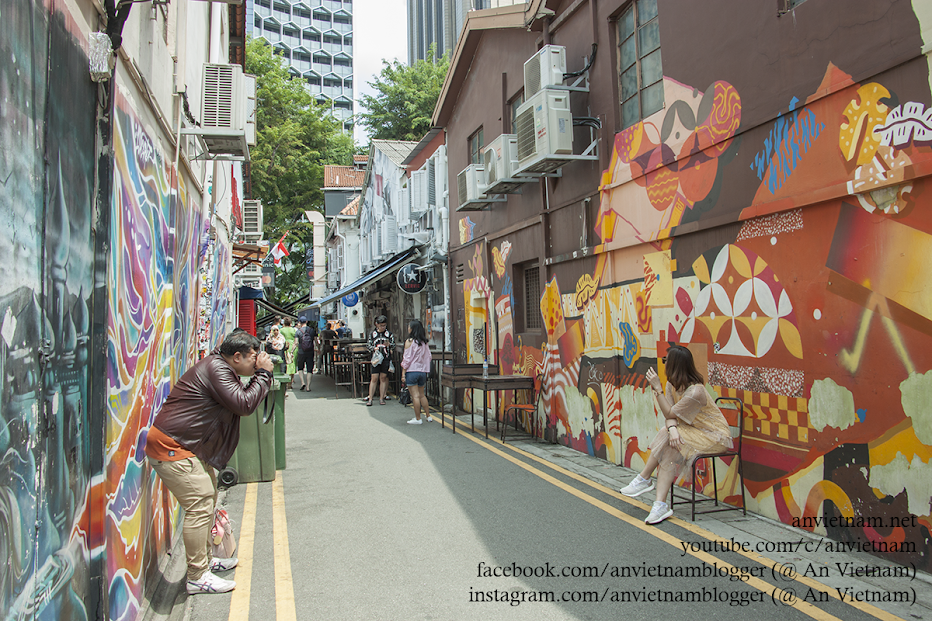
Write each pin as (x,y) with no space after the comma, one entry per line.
(343,177)
(360,159)
(352,208)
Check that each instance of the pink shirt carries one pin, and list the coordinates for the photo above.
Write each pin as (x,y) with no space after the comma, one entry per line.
(417,358)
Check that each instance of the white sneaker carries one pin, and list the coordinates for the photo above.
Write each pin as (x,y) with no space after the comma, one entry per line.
(223,564)
(659,512)
(429,419)
(637,487)
(415,421)
(209,583)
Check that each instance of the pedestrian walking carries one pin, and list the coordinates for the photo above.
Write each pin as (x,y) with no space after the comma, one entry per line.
(416,363)
(693,425)
(304,360)
(381,344)
(195,433)
(291,345)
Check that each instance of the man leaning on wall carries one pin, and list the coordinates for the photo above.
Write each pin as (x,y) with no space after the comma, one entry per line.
(196,432)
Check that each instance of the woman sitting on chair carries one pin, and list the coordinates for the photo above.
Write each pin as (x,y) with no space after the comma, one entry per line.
(693,425)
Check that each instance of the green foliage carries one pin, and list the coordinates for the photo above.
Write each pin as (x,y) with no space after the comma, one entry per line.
(406,98)
(295,138)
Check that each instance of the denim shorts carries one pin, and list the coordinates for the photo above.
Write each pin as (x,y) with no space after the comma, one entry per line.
(416,378)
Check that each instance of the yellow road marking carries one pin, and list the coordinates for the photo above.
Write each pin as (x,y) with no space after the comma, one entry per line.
(284,588)
(239,603)
(803,607)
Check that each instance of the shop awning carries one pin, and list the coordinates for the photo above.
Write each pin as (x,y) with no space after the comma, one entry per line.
(395,263)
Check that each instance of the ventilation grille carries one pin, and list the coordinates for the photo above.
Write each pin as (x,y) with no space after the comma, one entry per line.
(460,273)
(431,183)
(252,217)
(461,187)
(527,141)
(218,96)
(532,76)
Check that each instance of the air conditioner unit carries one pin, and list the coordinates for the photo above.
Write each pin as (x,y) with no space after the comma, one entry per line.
(469,182)
(252,221)
(500,159)
(332,280)
(225,92)
(418,192)
(543,69)
(545,132)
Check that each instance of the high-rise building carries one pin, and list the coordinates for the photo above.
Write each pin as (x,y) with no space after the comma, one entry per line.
(439,22)
(316,38)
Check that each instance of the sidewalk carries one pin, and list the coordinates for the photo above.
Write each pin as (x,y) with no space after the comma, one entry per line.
(804,563)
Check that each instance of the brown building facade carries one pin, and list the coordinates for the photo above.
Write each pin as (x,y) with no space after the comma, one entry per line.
(758,196)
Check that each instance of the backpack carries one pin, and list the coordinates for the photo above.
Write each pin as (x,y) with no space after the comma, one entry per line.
(306,339)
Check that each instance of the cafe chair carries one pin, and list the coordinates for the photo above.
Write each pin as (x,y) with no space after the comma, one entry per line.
(526,412)
(735,417)
(344,370)
(362,367)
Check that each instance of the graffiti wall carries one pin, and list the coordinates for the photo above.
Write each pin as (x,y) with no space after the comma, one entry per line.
(788,252)
(48,532)
(153,285)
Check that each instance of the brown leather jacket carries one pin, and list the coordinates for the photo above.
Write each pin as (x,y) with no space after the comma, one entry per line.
(203,410)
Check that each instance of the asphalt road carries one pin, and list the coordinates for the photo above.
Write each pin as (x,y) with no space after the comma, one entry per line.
(377,519)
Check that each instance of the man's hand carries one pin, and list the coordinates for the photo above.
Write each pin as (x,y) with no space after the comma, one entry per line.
(263,361)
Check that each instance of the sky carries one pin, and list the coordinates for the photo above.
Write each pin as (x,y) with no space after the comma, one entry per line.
(379,31)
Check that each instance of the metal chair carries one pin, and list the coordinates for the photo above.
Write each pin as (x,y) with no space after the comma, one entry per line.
(527,411)
(735,418)
(344,370)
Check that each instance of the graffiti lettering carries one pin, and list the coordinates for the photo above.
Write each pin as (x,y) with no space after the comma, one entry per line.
(142,144)
(789,140)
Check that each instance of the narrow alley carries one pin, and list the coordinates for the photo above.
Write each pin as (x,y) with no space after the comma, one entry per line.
(396,521)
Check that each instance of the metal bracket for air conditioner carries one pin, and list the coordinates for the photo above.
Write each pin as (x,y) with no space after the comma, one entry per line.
(485,203)
(581,85)
(585,155)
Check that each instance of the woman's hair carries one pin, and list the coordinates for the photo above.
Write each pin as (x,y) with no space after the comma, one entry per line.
(381,319)
(681,370)
(418,335)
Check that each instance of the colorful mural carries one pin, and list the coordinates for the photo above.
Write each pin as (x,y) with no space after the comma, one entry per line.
(48,531)
(152,286)
(814,309)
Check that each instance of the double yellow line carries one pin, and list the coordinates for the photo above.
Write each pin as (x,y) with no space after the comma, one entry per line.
(789,598)
(284,586)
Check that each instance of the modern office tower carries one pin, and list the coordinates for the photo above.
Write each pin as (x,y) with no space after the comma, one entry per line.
(316,37)
(439,22)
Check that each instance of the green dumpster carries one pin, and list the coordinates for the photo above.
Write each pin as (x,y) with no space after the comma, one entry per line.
(261,449)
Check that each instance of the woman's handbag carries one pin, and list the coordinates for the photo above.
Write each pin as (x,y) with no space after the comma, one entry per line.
(404,397)
(223,544)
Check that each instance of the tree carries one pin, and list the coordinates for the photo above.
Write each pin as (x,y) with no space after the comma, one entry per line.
(406,97)
(295,138)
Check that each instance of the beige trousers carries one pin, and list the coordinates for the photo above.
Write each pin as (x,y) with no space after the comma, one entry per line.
(194,484)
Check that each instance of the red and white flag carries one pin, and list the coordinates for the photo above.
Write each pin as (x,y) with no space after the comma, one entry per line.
(279,251)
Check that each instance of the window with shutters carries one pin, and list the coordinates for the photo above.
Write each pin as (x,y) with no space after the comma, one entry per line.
(640,72)
(526,314)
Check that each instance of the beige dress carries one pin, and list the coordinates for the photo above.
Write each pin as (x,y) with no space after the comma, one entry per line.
(701,425)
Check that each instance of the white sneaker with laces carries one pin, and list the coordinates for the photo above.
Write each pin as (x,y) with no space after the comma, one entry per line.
(659,512)
(637,487)
(415,421)
(209,583)
(223,564)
